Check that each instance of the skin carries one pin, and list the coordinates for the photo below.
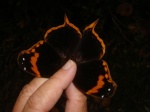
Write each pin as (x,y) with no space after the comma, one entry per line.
(41,94)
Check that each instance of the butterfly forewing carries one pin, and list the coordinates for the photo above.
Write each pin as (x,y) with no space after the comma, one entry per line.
(96,81)
(40,60)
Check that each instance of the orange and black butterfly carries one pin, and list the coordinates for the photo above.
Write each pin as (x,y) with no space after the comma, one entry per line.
(65,42)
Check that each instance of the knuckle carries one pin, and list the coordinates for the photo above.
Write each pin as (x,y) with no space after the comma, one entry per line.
(80,98)
(27,90)
(34,101)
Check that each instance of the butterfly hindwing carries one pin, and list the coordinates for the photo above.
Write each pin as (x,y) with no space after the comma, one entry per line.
(92,46)
(64,38)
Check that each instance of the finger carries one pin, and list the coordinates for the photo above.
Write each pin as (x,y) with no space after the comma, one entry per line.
(48,94)
(76,100)
(26,92)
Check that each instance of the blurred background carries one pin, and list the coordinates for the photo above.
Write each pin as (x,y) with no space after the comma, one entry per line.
(124,25)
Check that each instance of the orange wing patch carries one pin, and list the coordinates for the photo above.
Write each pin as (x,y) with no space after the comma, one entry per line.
(99,85)
(32,49)
(34,66)
(34,59)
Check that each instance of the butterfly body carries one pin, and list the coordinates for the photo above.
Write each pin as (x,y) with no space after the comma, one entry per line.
(66,42)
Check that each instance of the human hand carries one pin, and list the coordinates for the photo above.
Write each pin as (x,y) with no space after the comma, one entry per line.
(41,94)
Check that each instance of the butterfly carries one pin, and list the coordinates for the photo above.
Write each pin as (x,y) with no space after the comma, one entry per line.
(65,42)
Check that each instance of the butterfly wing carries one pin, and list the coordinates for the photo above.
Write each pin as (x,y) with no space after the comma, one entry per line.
(92,46)
(64,38)
(93,78)
(40,60)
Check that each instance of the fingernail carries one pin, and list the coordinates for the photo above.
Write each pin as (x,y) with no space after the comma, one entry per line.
(68,65)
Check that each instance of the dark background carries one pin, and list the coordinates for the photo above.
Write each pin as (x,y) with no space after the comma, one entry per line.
(124,25)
